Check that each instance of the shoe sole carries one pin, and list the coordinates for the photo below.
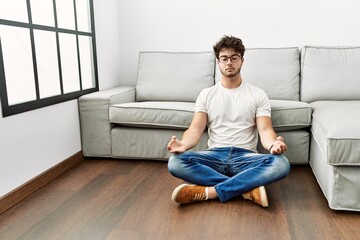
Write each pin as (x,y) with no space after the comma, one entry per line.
(263,196)
(177,189)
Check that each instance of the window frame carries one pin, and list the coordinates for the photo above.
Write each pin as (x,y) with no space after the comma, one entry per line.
(8,110)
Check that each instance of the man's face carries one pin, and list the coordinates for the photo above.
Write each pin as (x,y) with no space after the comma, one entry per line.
(230,62)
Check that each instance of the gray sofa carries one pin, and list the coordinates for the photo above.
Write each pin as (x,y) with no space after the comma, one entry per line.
(330,82)
(315,101)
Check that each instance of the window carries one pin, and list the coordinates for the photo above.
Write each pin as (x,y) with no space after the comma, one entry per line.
(47,53)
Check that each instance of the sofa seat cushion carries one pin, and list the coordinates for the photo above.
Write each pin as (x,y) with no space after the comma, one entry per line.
(170,115)
(336,129)
(290,115)
(286,115)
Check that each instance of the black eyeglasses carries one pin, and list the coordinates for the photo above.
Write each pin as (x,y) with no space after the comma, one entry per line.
(233,58)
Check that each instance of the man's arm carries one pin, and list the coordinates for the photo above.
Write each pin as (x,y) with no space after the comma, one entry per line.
(270,141)
(191,136)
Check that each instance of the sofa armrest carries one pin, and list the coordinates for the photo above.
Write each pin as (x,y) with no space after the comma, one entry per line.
(94,119)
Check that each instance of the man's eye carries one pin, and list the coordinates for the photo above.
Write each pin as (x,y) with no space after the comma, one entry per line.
(235,58)
(223,59)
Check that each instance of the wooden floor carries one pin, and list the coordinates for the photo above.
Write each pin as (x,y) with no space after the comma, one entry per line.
(117,199)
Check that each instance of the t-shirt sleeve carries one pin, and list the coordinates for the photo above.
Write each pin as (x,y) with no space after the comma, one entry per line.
(200,104)
(264,108)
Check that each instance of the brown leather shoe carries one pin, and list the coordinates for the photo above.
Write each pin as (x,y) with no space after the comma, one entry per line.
(257,195)
(187,193)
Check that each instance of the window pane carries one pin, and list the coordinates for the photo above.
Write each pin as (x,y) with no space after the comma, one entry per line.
(42,12)
(14,10)
(83,15)
(87,62)
(69,62)
(65,14)
(18,64)
(64,58)
(47,63)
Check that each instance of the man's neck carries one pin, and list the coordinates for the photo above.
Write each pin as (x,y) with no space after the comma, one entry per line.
(231,82)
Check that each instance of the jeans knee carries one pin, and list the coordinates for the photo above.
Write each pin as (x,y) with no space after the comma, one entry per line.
(283,164)
(173,164)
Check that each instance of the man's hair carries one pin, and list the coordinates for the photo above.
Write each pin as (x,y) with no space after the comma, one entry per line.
(229,42)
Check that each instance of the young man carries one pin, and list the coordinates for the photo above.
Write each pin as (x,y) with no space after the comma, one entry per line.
(235,112)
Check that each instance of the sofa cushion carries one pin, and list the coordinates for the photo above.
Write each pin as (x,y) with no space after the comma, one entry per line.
(290,115)
(275,70)
(146,143)
(170,115)
(298,146)
(336,129)
(286,115)
(166,76)
(330,73)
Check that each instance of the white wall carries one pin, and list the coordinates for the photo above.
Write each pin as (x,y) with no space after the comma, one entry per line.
(195,25)
(33,142)
(107,41)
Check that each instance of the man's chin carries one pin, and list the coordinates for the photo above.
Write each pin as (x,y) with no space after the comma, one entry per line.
(230,75)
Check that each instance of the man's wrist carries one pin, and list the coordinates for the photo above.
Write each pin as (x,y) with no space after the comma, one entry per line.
(271,147)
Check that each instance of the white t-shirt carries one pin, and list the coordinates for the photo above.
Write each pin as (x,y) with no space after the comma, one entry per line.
(232,114)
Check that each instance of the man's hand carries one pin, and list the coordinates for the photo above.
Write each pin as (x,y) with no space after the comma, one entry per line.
(175,146)
(191,136)
(279,146)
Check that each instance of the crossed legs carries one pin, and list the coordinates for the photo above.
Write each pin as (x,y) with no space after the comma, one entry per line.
(227,172)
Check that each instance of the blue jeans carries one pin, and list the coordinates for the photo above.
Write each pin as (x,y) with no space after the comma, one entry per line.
(231,170)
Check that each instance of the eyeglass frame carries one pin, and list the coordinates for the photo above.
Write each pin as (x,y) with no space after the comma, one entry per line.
(229,57)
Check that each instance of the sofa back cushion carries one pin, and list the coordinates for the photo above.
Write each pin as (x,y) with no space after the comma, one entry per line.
(275,70)
(330,73)
(171,76)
